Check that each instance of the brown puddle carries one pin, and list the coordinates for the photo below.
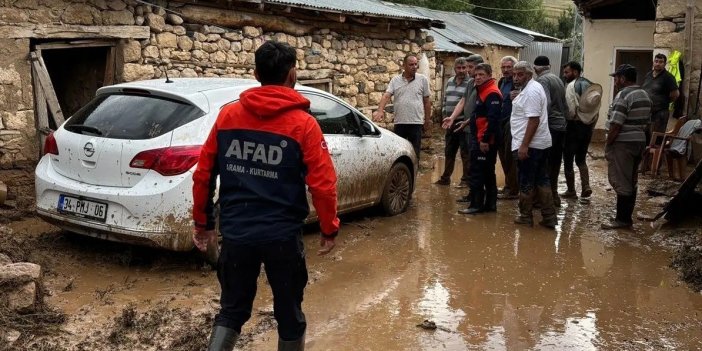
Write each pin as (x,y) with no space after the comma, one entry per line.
(485,282)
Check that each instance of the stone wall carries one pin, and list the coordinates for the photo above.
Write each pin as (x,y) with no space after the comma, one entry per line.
(358,67)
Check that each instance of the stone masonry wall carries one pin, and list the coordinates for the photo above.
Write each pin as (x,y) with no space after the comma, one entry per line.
(358,67)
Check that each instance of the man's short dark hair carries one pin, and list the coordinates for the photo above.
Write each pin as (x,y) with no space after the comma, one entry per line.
(661,57)
(273,62)
(404,61)
(574,66)
(484,67)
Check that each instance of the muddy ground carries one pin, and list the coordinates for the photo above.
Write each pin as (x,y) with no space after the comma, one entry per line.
(484,282)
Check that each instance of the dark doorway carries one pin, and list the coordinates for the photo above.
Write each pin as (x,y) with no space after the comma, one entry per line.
(641,59)
(77,72)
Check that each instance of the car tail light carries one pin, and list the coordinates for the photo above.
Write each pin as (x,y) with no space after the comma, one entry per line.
(50,146)
(168,161)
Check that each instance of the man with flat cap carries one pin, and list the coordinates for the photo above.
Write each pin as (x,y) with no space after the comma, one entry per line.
(557,109)
(626,126)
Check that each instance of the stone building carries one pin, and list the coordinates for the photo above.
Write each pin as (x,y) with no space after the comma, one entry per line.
(54,54)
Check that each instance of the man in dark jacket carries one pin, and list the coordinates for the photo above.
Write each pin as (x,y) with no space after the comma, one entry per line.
(485,124)
(265,148)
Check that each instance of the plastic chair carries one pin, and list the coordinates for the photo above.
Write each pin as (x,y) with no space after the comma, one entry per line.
(659,143)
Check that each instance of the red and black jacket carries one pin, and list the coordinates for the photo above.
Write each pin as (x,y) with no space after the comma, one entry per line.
(485,123)
(265,148)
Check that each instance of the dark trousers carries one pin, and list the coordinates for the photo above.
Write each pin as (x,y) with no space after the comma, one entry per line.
(286,270)
(623,160)
(555,158)
(509,163)
(411,132)
(456,141)
(577,142)
(533,171)
(482,174)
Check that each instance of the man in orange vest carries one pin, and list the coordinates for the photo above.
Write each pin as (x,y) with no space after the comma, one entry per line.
(485,124)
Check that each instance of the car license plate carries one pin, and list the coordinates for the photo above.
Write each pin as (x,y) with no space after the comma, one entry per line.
(82,207)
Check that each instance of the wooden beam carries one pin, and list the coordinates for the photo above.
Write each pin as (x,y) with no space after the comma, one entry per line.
(51,46)
(45,83)
(237,19)
(110,67)
(50,31)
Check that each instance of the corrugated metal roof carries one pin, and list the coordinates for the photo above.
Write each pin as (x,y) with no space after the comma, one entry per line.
(357,7)
(518,34)
(443,44)
(463,28)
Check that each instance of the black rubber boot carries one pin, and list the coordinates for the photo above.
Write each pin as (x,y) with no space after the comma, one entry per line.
(526,206)
(491,200)
(294,345)
(623,218)
(585,181)
(570,183)
(548,211)
(477,204)
(222,339)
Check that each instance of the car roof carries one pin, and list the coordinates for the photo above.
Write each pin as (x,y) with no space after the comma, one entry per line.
(202,92)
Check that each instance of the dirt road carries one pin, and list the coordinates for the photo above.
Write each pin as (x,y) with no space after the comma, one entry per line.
(484,282)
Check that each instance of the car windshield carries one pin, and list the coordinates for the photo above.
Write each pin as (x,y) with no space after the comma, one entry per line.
(131,116)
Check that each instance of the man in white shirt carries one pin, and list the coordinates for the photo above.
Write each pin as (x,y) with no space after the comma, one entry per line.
(531,139)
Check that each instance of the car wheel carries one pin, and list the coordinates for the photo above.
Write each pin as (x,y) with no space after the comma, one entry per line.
(398,190)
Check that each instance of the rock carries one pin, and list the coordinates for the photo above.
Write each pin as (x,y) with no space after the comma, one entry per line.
(214,30)
(18,120)
(26,4)
(11,336)
(133,71)
(665,27)
(159,10)
(80,14)
(210,47)
(167,40)
(188,73)
(19,273)
(181,55)
(117,5)
(5,260)
(139,20)
(671,8)
(179,30)
(185,43)
(233,36)
(236,46)
(669,40)
(224,44)
(174,19)
(374,97)
(131,51)
(22,299)
(155,22)
(213,38)
(246,45)
(251,32)
(151,51)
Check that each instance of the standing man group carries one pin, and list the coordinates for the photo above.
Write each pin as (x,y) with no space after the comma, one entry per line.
(465,107)
(412,103)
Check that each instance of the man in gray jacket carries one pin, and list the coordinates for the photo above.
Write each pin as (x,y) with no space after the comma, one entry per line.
(557,108)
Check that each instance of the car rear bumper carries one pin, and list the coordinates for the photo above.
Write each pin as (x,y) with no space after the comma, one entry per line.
(166,240)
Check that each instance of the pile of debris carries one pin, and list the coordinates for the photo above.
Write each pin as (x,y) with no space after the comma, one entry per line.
(23,313)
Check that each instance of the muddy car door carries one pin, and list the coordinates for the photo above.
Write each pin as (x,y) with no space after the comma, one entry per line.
(356,158)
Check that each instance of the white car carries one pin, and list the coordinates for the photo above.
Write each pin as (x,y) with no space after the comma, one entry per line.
(121,167)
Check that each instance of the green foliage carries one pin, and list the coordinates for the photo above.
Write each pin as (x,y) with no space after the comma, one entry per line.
(530,13)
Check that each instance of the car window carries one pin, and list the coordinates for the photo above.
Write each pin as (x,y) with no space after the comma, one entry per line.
(129,116)
(333,117)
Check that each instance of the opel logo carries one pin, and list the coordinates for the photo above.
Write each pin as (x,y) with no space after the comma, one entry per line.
(89,149)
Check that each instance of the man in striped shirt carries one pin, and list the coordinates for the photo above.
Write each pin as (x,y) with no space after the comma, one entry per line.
(455,140)
(626,124)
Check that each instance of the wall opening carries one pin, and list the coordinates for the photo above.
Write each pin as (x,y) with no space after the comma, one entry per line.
(76,71)
(641,59)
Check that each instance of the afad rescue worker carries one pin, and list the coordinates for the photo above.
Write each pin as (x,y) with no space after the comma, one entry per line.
(264,149)
(485,124)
